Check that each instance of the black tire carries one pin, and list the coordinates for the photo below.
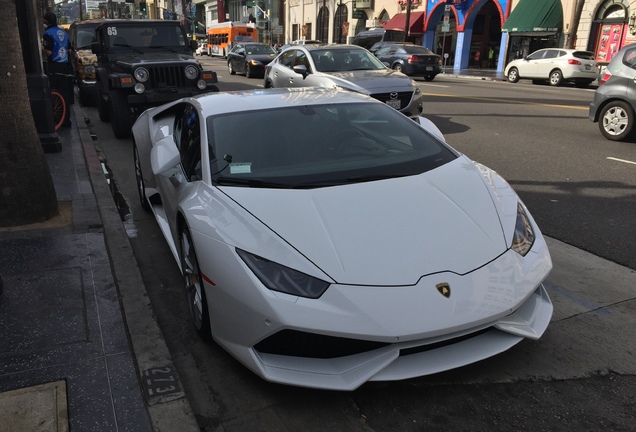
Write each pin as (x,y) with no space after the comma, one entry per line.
(398,67)
(513,75)
(195,289)
(121,118)
(556,78)
(140,179)
(616,120)
(102,105)
(248,71)
(268,84)
(230,69)
(86,98)
(429,77)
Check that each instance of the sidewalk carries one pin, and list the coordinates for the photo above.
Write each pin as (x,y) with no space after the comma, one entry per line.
(80,349)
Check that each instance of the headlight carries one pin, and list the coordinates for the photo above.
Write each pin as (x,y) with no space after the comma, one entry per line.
(280,278)
(255,63)
(191,72)
(89,70)
(141,74)
(524,234)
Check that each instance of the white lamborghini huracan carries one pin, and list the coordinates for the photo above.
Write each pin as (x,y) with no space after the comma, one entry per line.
(327,240)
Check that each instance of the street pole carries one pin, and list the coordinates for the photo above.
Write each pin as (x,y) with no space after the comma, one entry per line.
(407,20)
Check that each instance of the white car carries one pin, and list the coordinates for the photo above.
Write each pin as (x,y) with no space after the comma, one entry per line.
(346,244)
(555,65)
(202,49)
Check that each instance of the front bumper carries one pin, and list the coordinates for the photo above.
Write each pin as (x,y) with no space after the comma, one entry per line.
(153,97)
(371,333)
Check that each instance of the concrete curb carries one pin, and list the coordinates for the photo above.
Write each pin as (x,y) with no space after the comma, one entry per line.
(168,408)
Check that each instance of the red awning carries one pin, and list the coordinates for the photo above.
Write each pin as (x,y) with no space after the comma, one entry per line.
(416,23)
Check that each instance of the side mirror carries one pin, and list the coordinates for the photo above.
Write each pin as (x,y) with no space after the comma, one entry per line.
(301,70)
(96,48)
(164,157)
(193,45)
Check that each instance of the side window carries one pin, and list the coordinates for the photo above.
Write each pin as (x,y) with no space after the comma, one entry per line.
(629,59)
(190,143)
(536,56)
(550,54)
(383,51)
(301,59)
(287,58)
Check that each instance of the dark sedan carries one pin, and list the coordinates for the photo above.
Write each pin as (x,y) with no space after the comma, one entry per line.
(250,58)
(413,60)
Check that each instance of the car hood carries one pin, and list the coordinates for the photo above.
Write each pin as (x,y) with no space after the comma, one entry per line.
(264,58)
(373,81)
(388,232)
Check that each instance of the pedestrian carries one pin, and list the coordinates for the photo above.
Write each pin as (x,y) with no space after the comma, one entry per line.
(491,56)
(477,57)
(55,45)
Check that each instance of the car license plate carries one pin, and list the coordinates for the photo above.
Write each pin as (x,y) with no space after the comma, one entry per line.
(428,68)
(394,104)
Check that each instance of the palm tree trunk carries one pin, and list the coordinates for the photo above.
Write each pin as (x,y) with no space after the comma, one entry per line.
(27,194)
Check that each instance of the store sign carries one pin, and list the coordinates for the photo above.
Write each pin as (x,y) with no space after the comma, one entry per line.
(358,14)
(364,4)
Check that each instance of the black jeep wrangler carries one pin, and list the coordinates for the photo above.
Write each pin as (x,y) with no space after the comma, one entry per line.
(144,63)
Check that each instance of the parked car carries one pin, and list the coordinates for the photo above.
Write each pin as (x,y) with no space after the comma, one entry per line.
(412,60)
(347,66)
(202,49)
(81,36)
(614,104)
(326,240)
(367,38)
(250,58)
(555,65)
(144,63)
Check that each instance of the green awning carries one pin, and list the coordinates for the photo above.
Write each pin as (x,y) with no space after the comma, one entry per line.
(532,16)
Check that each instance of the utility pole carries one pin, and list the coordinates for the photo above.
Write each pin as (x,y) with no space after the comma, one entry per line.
(407,23)
(574,28)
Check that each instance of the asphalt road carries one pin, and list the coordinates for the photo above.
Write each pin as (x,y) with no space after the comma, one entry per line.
(580,376)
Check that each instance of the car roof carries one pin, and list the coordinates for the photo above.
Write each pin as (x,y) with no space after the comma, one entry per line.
(215,103)
(315,47)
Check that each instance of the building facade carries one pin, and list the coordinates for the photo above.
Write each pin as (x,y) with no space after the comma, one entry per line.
(467,33)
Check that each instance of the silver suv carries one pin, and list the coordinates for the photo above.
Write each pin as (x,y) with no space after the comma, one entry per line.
(614,104)
(348,66)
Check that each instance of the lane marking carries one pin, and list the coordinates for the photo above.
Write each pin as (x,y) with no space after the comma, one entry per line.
(621,160)
(507,101)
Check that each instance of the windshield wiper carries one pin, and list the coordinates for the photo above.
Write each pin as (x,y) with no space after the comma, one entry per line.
(255,183)
(348,180)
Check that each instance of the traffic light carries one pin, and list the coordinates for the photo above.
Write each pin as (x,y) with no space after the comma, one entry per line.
(142,6)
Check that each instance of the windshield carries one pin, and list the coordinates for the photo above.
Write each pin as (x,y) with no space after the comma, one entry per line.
(319,146)
(140,36)
(341,60)
(259,49)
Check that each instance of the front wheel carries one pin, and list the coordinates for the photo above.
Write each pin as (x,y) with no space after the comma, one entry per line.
(556,77)
(140,179)
(513,75)
(120,115)
(248,71)
(59,108)
(102,106)
(616,121)
(230,69)
(195,290)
